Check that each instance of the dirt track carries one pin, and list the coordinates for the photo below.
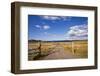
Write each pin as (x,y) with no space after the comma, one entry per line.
(59,53)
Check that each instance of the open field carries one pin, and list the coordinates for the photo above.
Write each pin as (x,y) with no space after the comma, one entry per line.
(46,50)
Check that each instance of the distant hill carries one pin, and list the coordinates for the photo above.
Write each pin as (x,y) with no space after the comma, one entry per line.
(54,40)
(34,40)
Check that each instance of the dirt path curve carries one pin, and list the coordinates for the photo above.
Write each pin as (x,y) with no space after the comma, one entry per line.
(59,53)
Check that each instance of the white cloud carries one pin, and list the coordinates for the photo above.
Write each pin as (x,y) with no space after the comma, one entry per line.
(37,26)
(78,32)
(56,17)
(66,18)
(51,17)
(45,27)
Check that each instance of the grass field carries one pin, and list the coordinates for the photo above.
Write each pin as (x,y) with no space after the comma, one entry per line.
(68,50)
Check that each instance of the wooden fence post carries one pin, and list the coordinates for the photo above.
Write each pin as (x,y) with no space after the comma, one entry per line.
(73,51)
(40,48)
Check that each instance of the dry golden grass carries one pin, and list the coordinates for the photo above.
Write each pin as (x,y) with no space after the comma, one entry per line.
(80,48)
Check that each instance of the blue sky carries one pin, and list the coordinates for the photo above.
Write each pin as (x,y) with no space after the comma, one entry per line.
(46,27)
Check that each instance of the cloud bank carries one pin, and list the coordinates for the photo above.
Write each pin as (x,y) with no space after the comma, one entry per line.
(77,32)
